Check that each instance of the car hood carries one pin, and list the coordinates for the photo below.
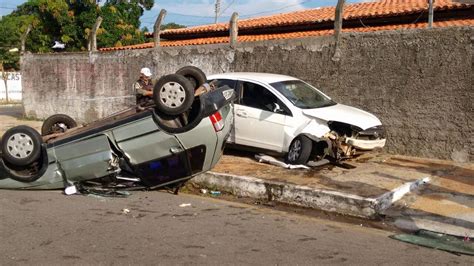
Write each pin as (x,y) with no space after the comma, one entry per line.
(345,114)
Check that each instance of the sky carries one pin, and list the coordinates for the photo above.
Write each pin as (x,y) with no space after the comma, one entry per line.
(200,12)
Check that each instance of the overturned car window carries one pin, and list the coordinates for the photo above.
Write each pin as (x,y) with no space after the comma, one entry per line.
(163,170)
(302,95)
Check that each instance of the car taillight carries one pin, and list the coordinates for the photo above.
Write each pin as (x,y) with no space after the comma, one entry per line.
(217,121)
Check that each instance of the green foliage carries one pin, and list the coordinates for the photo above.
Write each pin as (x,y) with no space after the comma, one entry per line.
(11,29)
(171,25)
(70,22)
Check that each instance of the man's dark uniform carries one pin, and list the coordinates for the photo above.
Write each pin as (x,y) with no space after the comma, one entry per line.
(141,87)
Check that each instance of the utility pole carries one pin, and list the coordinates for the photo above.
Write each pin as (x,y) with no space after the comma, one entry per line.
(217,10)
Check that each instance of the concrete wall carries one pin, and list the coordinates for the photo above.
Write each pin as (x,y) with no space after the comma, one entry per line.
(418,82)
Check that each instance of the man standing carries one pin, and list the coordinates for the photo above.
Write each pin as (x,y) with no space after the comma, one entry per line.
(144,88)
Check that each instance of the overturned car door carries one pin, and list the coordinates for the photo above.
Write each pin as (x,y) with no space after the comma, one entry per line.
(85,159)
(155,156)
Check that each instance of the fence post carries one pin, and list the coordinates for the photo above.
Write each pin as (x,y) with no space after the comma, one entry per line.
(234,29)
(4,78)
(430,14)
(157,27)
(23,39)
(93,35)
(338,28)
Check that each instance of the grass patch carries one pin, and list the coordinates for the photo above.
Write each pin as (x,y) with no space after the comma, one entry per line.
(29,118)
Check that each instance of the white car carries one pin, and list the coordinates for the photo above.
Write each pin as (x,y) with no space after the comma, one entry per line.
(286,115)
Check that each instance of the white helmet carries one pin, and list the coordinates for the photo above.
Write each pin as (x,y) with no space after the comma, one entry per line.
(146,72)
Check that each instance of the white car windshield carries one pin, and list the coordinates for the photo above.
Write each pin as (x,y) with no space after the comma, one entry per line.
(302,95)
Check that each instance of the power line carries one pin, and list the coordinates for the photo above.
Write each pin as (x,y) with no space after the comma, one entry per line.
(278,9)
(211,17)
(227,7)
(217,10)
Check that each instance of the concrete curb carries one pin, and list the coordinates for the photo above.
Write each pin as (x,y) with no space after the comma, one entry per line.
(302,196)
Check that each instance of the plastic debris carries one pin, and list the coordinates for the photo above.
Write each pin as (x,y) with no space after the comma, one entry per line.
(70,190)
(204,191)
(125,211)
(215,193)
(318,163)
(185,205)
(262,158)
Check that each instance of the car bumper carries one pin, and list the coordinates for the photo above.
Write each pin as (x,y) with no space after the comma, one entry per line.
(366,144)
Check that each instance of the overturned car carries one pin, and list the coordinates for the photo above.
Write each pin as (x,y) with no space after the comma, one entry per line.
(179,135)
(285,115)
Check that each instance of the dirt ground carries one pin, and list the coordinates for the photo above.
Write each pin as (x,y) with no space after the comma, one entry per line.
(12,115)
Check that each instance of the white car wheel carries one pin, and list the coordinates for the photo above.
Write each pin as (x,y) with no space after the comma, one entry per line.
(20,146)
(172,95)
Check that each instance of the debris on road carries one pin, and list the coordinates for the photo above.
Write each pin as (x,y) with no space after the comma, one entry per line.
(185,205)
(215,193)
(125,211)
(70,190)
(262,158)
(318,163)
(203,191)
(439,241)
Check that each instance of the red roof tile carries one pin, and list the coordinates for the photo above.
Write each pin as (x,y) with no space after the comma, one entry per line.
(384,8)
(293,35)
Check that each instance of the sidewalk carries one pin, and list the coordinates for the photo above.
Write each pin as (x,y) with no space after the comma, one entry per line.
(380,185)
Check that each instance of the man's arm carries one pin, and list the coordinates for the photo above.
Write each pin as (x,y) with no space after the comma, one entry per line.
(139,89)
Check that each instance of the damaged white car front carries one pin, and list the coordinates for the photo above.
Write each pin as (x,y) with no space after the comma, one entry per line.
(342,131)
(336,130)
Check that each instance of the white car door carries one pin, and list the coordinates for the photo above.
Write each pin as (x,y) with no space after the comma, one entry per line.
(258,121)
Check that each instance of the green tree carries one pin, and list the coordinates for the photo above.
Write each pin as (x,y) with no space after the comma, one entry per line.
(70,22)
(171,25)
(11,29)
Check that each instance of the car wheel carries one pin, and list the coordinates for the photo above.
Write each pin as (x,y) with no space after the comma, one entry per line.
(57,123)
(300,150)
(21,145)
(195,75)
(173,94)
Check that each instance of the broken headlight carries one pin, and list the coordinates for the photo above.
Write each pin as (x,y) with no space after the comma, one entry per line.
(377,132)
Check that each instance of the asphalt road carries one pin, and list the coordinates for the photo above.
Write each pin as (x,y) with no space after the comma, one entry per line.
(46,227)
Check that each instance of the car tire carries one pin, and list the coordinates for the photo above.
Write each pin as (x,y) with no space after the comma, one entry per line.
(173,94)
(57,123)
(300,150)
(21,145)
(195,75)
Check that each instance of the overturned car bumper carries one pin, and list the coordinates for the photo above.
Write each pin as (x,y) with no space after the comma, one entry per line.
(362,144)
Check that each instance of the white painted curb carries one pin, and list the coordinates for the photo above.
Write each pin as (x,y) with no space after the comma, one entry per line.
(333,201)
